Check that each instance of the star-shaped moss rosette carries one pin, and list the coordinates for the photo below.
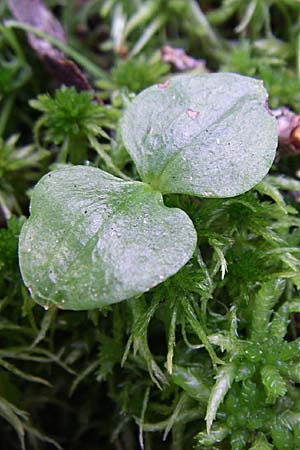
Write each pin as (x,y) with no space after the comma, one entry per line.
(93,239)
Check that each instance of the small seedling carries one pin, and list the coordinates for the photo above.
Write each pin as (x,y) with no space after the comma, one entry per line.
(93,239)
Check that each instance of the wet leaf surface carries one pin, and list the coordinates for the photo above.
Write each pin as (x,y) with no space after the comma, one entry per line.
(206,135)
(93,239)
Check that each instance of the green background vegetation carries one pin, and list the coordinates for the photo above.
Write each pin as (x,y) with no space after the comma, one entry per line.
(220,338)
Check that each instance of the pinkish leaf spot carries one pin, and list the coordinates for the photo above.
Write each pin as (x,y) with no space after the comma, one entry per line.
(164,85)
(192,114)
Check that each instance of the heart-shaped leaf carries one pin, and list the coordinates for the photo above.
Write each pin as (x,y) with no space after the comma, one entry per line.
(93,239)
(206,135)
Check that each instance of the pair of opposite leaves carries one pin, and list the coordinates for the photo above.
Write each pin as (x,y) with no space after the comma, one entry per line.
(93,239)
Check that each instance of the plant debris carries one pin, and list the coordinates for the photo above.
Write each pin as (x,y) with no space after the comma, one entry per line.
(288,130)
(36,14)
(180,60)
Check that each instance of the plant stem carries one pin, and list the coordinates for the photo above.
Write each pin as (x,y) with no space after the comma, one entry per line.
(107,159)
(5,112)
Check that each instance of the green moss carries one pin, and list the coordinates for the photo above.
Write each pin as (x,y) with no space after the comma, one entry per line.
(145,370)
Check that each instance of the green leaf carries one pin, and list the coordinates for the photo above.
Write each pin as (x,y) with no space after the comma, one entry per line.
(282,432)
(261,443)
(11,414)
(273,382)
(26,376)
(93,239)
(206,135)
(192,381)
(262,307)
(217,434)
(224,379)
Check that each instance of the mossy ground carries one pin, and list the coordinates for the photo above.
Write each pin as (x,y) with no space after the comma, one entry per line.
(219,339)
